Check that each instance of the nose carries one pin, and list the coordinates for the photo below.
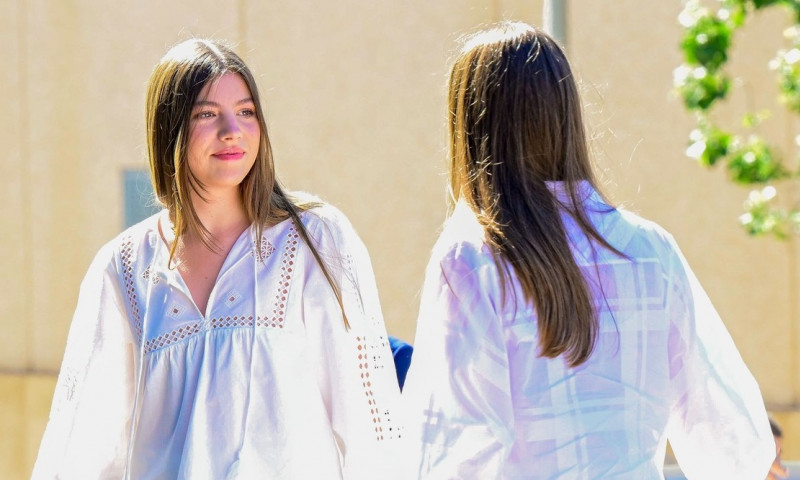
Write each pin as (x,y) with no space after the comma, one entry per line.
(229,128)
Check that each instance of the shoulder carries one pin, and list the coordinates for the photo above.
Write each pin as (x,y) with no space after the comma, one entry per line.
(126,247)
(641,238)
(461,250)
(646,229)
(145,230)
(323,214)
(462,236)
(326,224)
(131,241)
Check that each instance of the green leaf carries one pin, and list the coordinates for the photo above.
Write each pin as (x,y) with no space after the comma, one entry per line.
(733,12)
(765,3)
(700,89)
(751,120)
(755,163)
(701,83)
(709,145)
(706,42)
(762,217)
(787,64)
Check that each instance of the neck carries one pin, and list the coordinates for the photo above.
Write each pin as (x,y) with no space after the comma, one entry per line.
(223,217)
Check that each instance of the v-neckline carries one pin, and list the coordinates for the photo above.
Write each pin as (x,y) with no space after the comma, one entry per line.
(168,238)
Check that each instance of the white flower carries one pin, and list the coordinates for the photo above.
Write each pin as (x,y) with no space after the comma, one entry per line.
(680,74)
(699,72)
(746,218)
(696,149)
(792,56)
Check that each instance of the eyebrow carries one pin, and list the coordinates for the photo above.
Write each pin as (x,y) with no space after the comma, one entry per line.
(208,103)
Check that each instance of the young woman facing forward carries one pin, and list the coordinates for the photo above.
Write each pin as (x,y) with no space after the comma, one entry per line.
(236,334)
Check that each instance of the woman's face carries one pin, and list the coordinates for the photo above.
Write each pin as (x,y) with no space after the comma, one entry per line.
(223,135)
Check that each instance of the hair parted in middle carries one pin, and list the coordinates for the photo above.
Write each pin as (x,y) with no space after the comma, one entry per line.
(174,86)
(515,124)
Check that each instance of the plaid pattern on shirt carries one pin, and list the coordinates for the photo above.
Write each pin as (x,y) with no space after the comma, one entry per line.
(483,404)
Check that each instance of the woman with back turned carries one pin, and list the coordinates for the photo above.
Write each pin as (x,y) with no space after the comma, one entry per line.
(237,333)
(560,337)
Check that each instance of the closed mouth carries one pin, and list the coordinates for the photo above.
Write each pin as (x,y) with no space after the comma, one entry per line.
(229,155)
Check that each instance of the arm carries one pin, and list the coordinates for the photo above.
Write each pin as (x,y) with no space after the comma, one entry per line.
(718,427)
(87,433)
(457,393)
(355,368)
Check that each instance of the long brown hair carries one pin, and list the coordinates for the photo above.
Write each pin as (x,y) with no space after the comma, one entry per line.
(515,124)
(174,86)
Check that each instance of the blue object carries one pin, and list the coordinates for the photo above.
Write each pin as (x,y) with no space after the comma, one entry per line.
(139,198)
(401,351)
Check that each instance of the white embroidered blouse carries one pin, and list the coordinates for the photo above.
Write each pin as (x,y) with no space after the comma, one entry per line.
(483,404)
(268,384)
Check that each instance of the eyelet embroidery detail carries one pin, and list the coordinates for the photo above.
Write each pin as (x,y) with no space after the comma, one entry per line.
(146,275)
(376,353)
(287,267)
(126,254)
(276,320)
(366,382)
(395,431)
(232,298)
(371,358)
(171,337)
(231,321)
(181,333)
(175,310)
(263,252)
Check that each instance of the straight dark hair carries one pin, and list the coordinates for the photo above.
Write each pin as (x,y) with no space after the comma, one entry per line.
(515,124)
(174,86)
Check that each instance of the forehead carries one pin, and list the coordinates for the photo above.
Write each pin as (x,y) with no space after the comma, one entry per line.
(229,86)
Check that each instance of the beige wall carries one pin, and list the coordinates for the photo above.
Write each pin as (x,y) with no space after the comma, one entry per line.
(355,103)
(627,54)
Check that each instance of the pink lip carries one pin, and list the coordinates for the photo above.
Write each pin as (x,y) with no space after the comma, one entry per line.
(229,154)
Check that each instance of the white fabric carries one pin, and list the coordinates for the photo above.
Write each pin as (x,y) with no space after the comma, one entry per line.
(269,384)
(482,404)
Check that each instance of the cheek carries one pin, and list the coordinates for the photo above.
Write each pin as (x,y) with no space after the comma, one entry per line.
(195,147)
(253,131)
(195,141)
(253,137)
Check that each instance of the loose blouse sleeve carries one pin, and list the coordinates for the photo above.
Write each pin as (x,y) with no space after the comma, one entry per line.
(87,433)
(457,393)
(355,368)
(718,426)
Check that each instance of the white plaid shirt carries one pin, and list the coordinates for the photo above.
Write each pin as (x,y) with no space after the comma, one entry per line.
(483,404)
